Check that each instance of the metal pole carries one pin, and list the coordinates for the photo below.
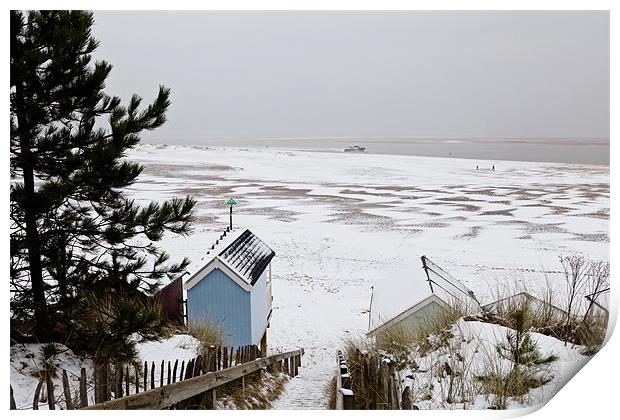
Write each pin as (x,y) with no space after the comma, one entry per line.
(372,288)
(230,217)
(428,277)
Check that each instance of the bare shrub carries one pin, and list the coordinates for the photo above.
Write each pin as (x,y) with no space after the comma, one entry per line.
(207,333)
(576,276)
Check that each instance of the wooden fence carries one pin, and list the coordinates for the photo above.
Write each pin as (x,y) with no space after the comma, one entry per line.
(204,385)
(112,383)
(369,382)
(344,394)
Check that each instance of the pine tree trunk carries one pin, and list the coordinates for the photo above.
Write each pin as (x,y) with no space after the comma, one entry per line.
(32,235)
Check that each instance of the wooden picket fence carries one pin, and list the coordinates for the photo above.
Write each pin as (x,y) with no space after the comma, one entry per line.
(369,382)
(115,382)
(200,391)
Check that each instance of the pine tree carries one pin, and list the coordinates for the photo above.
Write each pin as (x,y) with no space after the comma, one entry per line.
(519,347)
(73,228)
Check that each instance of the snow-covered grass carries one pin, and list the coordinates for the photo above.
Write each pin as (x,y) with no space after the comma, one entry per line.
(27,362)
(258,393)
(341,223)
(452,376)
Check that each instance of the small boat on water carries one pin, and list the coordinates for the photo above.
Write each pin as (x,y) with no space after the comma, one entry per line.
(355,149)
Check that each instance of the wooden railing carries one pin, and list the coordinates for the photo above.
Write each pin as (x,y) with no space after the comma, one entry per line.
(369,382)
(344,394)
(174,393)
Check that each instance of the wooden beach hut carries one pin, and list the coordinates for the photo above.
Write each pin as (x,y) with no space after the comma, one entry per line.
(426,312)
(233,289)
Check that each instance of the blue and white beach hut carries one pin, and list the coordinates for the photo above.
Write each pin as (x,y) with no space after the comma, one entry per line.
(233,289)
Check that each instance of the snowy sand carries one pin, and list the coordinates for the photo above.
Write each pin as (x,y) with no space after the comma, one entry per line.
(341,223)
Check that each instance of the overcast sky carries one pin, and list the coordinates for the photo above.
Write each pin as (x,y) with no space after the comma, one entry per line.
(366,74)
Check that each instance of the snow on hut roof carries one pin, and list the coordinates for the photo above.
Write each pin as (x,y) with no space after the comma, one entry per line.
(248,255)
(240,253)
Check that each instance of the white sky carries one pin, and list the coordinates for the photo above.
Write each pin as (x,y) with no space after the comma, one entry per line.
(367,74)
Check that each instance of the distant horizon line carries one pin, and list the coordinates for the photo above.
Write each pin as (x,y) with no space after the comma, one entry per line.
(210,137)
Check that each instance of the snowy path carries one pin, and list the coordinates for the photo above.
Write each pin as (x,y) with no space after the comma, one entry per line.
(306,391)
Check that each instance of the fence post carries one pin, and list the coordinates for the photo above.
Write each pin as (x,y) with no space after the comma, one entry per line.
(197,366)
(161,374)
(127,380)
(189,369)
(13,405)
(152,375)
(347,399)
(101,383)
(174,371)
(135,368)
(395,386)
(169,373)
(37,391)
(83,390)
(50,391)
(65,388)
(118,381)
(406,402)
(146,375)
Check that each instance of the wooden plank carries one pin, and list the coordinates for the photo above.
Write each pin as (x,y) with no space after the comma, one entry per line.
(174,393)
(190,369)
(118,382)
(197,366)
(146,375)
(174,371)
(127,380)
(135,367)
(182,371)
(66,390)
(161,374)
(169,373)
(83,389)
(153,375)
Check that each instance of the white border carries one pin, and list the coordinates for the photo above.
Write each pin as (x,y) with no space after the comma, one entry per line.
(592,393)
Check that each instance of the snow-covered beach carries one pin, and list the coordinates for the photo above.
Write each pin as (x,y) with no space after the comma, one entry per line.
(341,224)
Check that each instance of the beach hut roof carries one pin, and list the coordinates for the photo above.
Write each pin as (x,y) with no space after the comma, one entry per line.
(248,255)
(240,254)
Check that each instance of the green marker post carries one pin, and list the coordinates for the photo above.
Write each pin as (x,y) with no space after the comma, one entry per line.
(231,202)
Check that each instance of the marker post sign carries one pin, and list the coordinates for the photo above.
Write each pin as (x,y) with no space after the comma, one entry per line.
(231,202)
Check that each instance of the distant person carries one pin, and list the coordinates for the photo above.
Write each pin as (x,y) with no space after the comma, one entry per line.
(493,168)
(476,167)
